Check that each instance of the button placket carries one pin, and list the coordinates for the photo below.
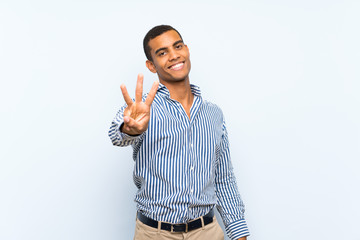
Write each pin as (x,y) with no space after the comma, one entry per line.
(191,160)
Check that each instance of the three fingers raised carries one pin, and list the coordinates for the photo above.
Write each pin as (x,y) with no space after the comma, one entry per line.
(138,110)
(139,91)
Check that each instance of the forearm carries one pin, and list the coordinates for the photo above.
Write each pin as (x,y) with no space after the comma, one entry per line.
(229,202)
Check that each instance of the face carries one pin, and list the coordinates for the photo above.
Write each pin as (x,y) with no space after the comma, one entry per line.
(170,57)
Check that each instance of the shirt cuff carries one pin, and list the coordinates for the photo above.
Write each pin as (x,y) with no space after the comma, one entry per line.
(128,139)
(237,229)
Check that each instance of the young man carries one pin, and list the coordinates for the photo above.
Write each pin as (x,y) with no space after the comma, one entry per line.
(182,159)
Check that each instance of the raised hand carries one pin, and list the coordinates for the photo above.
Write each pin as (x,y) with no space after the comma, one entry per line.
(137,114)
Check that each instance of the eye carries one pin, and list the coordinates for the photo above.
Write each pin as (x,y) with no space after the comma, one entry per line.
(179,46)
(161,53)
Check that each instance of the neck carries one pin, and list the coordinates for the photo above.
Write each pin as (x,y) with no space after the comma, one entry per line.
(180,91)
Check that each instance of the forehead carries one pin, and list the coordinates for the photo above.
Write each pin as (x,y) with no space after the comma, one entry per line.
(165,40)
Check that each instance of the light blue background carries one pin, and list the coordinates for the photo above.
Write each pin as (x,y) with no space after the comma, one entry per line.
(286,74)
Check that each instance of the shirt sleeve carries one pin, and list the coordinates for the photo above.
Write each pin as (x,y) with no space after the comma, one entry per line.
(119,138)
(229,203)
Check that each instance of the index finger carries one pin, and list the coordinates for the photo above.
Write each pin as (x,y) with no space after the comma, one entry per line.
(126,95)
(150,97)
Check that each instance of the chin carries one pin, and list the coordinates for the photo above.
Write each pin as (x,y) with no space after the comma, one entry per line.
(174,78)
(180,78)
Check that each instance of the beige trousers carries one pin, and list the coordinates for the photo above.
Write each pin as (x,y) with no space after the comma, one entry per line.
(212,231)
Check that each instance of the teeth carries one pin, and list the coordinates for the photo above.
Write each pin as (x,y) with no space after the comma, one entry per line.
(177,66)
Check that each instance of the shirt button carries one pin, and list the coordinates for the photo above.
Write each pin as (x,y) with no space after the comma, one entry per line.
(191,190)
(192,168)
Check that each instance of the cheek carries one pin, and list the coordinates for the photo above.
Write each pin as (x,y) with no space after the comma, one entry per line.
(159,64)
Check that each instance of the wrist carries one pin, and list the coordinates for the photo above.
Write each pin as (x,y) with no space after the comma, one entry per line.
(128,133)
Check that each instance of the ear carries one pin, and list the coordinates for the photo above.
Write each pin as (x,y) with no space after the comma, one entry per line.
(150,65)
(187,48)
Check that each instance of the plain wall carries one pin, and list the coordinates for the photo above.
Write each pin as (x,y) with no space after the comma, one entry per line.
(285,73)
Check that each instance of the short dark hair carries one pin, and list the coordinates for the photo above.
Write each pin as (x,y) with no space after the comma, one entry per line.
(153,33)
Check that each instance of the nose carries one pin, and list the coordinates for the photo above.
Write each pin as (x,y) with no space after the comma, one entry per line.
(173,55)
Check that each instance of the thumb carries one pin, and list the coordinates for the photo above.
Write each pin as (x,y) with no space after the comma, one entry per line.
(129,121)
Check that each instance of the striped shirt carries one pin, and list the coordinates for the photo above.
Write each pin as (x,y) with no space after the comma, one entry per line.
(182,166)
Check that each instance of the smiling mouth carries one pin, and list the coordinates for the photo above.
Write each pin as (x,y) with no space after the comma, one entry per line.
(177,66)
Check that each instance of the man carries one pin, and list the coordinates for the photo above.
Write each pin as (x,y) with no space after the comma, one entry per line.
(182,161)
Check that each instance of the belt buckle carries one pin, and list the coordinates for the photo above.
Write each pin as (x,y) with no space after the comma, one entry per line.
(172,227)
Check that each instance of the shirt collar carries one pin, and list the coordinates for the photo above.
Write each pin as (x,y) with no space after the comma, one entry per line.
(164,91)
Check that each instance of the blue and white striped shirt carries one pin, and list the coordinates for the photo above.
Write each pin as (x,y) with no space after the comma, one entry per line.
(182,166)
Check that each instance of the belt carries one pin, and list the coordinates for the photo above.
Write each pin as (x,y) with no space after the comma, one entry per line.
(181,227)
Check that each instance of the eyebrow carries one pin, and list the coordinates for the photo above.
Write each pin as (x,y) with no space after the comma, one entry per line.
(164,48)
